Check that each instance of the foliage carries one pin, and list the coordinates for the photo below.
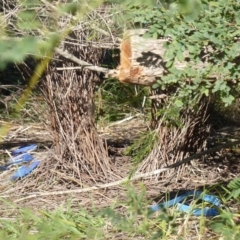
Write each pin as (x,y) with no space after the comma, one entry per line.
(227,222)
(201,32)
(129,218)
(105,223)
(59,224)
(137,219)
(234,187)
(115,100)
(226,225)
(142,146)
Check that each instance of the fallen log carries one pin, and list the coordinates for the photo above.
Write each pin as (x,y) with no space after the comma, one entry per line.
(141,59)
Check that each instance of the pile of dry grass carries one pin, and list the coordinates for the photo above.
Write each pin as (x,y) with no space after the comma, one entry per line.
(81,155)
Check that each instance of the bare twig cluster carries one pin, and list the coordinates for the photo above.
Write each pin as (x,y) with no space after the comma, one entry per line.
(177,143)
(81,155)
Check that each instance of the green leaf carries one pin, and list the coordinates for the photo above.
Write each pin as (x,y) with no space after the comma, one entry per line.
(217,86)
(71,8)
(155,35)
(180,56)
(236,193)
(169,53)
(147,35)
(234,184)
(155,86)
(178,103)
(31,25)
(206,92)
(169,63)
(17,50)
(228,100)
(215,4)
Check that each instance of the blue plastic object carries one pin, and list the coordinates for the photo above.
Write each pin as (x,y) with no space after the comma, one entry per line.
(209,212)
(25,157)
(24,170)
(21,155)
(24,149)
(3,168)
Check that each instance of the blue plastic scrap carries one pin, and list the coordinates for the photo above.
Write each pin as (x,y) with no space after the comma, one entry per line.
(3,168)
(21,155)
(24,170)
(24,149)
(25,157)
(209,212)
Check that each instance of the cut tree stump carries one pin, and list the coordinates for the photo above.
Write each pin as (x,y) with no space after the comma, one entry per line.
(141,59)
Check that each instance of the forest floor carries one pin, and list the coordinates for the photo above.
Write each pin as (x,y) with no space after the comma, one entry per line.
(217,169)
(212,169)
(211,172)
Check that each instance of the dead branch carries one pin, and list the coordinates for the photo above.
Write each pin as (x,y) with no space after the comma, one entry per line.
(82,63)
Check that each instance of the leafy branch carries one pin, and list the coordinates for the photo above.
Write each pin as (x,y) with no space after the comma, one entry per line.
(208,33)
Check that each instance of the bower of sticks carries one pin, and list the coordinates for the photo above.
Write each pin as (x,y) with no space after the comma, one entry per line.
(78,159)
